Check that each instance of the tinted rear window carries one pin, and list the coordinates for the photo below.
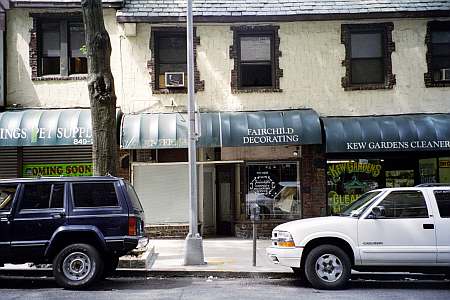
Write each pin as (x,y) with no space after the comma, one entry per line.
(134,197)
(443,202)
(94,194)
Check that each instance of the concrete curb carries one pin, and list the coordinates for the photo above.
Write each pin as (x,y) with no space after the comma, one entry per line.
(130,273)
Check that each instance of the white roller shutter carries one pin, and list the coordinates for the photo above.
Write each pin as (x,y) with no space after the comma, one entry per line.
(163,190)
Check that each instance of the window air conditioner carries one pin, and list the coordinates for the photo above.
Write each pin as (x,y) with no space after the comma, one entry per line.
(445,74)
(175,79)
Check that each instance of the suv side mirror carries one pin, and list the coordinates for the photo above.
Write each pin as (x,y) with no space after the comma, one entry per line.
(378,211)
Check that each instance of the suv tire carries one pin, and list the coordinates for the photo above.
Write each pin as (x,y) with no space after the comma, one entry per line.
(77,266)
(328,267)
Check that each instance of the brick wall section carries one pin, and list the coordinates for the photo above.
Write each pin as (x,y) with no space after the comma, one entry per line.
(167,231)
(313,181)
(123,169)
(244,229)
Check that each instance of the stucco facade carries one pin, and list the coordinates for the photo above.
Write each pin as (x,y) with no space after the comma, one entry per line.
(311,60)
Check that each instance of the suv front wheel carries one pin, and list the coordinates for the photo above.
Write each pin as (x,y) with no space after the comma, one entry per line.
(77,266)
(328,267)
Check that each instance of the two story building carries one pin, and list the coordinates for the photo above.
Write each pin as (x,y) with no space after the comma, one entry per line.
(304,105)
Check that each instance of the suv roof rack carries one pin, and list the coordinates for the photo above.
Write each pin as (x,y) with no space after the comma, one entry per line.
(432,184)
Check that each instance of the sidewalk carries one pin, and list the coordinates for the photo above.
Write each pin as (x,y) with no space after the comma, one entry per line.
(221,255)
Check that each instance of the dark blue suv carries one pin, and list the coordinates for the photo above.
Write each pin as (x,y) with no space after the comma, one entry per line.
(82,225)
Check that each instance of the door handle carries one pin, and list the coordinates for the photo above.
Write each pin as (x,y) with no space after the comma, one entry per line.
(428,226)
(59,216)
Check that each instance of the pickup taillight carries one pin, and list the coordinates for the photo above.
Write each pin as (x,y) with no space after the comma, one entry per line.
(132,229)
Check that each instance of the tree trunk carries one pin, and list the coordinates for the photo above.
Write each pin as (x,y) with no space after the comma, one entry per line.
(101,89)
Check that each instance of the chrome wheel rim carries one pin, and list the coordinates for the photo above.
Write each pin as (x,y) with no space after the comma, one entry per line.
(76,266)
(329,268)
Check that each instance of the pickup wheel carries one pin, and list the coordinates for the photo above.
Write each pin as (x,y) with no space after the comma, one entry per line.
(328,267)
(77,266)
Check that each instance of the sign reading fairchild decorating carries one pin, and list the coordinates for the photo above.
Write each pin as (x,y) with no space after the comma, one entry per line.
(408,145)
(270,136)
(56,170)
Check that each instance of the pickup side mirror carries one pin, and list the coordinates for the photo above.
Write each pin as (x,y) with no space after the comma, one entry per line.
(378,212)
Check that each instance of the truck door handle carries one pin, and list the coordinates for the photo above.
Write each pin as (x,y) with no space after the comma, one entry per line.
(428,226)
(59,216)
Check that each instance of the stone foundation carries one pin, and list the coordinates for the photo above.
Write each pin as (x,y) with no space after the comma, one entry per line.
(167,231)
(244,229)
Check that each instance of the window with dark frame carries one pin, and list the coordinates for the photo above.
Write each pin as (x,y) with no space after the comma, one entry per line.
(171,58)
(368,56)
(256,53)
(438,54)
(61,47)
(255,61)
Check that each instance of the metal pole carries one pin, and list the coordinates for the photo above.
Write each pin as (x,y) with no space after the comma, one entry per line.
(254,243)
(193,251)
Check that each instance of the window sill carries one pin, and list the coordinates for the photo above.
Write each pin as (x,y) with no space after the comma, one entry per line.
(368,87)
(59,77)
(432,84)
(256,90)
(170,91)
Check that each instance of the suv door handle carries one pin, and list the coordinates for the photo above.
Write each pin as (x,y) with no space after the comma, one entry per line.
(428,226)
(59,215)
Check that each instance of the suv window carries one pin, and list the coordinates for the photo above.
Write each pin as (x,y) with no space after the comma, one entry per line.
(42,196)
(405,204)
(443,202)
(94,194)
(7,192)
(134,197)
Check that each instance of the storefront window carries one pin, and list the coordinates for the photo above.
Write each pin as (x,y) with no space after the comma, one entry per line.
(399,178)
(428,170)
(444,169)
(274,187)
(347,180)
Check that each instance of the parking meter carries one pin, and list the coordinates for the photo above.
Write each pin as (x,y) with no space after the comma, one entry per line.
(254,216)
(254,212)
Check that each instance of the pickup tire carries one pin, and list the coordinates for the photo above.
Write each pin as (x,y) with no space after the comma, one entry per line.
(328,267)
(77,266)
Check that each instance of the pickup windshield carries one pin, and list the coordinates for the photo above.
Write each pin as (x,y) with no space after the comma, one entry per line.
(356,208)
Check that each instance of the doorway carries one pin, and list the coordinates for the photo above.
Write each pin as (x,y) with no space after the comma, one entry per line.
(225,199)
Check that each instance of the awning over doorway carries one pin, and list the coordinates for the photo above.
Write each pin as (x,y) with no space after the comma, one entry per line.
(415,132)
(45,127)
(224,129)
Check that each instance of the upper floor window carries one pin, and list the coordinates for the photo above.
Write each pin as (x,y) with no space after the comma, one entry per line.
(171,58)
(57,46)
(256,55)
(368,50)
(168,66)
(438,55)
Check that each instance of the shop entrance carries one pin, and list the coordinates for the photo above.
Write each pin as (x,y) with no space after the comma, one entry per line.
(225,195)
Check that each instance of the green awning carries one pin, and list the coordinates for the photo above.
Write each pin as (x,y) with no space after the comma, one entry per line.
(224,129)
(40,127)
(414,132)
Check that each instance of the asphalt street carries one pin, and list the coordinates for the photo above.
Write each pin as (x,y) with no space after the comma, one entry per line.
(221,288)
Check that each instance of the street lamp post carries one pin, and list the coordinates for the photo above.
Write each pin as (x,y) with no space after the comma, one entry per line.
(193,248)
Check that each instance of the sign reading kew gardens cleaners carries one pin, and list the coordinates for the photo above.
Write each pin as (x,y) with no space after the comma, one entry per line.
(404,145)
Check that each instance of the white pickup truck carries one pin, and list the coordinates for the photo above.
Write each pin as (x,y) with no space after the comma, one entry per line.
(391,229)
